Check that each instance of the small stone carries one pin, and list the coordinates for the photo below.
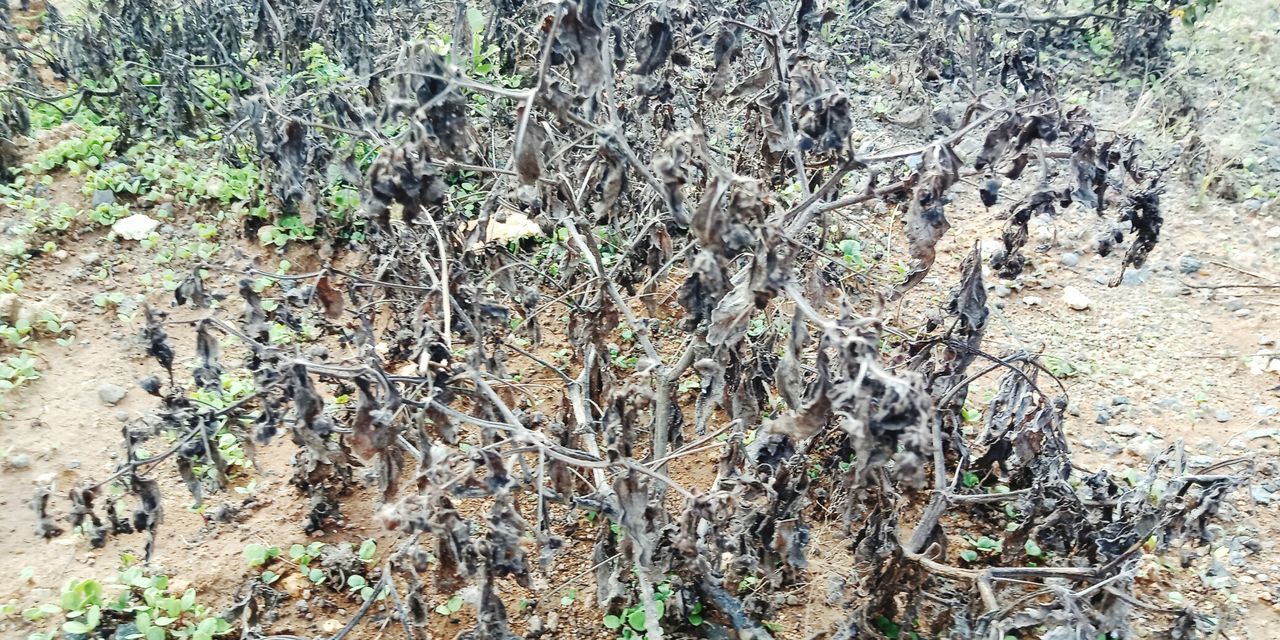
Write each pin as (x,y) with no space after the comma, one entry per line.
(103,196)
(1234,304)
(1207,446)
(1274,232)
(1222,415)
(1242,313)
(122,416)
(1154,433)
(1031,301)
(110,394)
(90,258)
(18,461)
(61,254)
(1001,291)
(1168,403)
(73,465)
(1199,462)
(1069,259)
(1188,265)
(1134,277)
(1120,400)
(1124,431)
(135,227)
(1260,494)
(1103,417)
(1075,298)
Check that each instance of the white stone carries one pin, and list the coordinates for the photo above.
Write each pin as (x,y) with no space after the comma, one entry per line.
(1075,298)
(1032,301)
(135,227)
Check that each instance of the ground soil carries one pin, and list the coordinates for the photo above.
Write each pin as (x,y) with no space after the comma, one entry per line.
(1166,358)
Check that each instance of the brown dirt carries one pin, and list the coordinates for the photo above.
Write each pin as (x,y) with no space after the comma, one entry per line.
(1176,352)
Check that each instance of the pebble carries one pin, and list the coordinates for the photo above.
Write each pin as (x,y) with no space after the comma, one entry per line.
(1075,298)
(110,394)
(1234,304)
(61,254)
(73,465)
(1242,313)
(1189,264)
(18,461)
(1274,232)
(1120,400)
(103,196)
(1001,291)
(1031,301)
(1222,415)
(1103,417)
(122,416)
(1260,494)
(1124,431)
(1133,277)
(1070,259)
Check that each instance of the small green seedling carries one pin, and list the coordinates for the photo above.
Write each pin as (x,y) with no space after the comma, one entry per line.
(450,606)
(257,555)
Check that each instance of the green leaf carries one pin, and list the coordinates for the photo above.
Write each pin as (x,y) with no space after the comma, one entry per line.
(695,619)
(297,551)
(367,550)
(257,555)
(971,479)
(355,581)
(612,622)
(450,606)
(75,626)
(969,555)
(1033,549)
(568,598)
(987,544)
(93,616)
(636,619)
(189,596)
(316,576)
(155,633)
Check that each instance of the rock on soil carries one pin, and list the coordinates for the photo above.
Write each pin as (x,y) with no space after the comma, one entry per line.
(135,227)
(1075,298)
(110,394)
(1188,265)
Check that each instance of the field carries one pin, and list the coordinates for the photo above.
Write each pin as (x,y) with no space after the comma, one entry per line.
(653,319)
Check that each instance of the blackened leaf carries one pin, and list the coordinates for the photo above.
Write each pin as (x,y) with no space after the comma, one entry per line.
(652,51)
(192,288)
